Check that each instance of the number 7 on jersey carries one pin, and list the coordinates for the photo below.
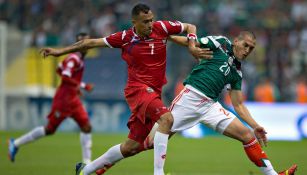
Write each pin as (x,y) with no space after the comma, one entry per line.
(152,45)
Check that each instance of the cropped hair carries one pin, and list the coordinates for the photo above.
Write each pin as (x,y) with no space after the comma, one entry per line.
(137,9)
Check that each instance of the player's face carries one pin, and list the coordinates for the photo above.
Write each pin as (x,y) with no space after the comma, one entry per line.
(243,47)
(143,23)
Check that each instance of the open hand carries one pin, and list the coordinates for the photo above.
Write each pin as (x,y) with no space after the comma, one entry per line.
(260,134)
(50,51)
(89,87)
(201,53)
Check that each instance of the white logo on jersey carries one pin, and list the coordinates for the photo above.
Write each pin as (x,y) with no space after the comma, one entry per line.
(134,39)
(149,90)
(230,61)
(204,40)
(173,23)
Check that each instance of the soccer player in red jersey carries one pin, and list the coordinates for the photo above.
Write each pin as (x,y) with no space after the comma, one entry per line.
(144,50)
(66,102)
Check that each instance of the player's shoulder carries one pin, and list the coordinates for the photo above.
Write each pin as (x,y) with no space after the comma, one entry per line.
(221,39)
(166,26)
(216,40)
(127,35)
(160,26)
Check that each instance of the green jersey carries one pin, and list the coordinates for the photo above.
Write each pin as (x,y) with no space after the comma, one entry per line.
(210,76)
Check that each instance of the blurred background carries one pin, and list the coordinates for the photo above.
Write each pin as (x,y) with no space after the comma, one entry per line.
(274,75)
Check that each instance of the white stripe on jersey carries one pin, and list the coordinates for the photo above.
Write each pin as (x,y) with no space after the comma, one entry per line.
(75,57)
(222,37)
(182,27)
(70,64)
(163,26)
(66,72)
(123,34)
(107,43)
(217,44)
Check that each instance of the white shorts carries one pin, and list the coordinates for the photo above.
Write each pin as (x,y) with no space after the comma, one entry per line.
(191,107)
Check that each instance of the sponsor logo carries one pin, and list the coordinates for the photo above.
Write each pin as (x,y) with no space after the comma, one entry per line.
(149,90)
(204,40)
(57,114)
(174,23)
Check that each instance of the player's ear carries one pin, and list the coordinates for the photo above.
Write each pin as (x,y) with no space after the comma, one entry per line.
(134,20)
(235,40)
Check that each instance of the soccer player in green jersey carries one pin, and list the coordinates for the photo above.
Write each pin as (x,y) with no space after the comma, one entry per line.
(197,102)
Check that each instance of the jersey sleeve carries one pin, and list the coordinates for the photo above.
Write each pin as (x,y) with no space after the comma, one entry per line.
(205,42)
(172,27)
(213,42)
(236,85)
(116,40)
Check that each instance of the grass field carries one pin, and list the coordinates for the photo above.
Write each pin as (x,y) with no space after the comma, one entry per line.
(58,154)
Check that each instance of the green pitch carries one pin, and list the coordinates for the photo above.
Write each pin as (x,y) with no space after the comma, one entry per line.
(58,154)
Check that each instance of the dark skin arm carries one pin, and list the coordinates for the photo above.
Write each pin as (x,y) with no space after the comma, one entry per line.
(183,41)
(76,47)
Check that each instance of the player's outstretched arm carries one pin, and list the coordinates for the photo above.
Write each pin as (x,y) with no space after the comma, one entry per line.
(78,46)
(241,109)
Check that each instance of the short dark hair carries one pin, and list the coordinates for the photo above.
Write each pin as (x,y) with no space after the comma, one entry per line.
(248,33)
(81,34)
(137,9)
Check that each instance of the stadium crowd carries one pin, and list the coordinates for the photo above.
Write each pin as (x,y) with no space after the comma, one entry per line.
(276,70)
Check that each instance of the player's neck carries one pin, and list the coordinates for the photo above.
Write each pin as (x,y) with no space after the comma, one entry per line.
(139,34)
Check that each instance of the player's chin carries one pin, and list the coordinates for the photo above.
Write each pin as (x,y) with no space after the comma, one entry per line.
(243,57)
(148,32)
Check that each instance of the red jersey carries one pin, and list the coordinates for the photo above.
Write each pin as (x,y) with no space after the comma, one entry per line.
(68,93)
(145,57)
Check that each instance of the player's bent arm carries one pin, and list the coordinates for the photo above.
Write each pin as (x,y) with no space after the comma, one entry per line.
(197,52)
(190,29)
(238,104)
(69,80)
(181,40)
(87,86)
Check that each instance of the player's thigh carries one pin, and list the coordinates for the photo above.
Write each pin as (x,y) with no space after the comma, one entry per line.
(183,118)
(138,130)
(81,117)
(55,118)
(216,117)
(237,130)
(155,109)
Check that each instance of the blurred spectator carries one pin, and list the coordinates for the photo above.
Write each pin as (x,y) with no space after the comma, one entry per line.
(266,91)
(301,90)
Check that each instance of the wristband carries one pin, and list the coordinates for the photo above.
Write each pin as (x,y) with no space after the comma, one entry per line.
(82,85)
(192,36)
